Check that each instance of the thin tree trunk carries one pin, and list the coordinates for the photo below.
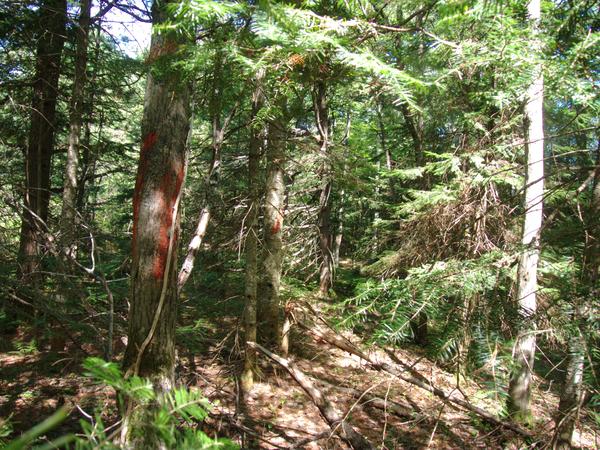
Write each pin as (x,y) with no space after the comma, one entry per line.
(254,148)
(88,158)
(572,392)
(161,172)
(269,308)
(519,391)
(68,217)
(337,242)
(324,216)
(41,132)
(414,123)
(218,137)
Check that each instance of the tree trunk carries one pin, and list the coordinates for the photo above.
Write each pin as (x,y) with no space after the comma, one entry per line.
(269,308)
(324,217)
(572,392)
(414,124)
(252,237)
(41,132)
(161,172)
(218,137)
(519,390)
(68,216)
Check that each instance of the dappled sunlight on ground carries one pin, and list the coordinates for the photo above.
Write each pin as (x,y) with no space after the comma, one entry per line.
(278,412)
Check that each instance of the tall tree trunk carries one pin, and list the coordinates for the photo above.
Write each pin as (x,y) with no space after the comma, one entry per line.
(41,132)
(254,148)
(269,308)
(519,390)
(324,216)
(68,216)
(339,235)
(414,123)
(218,136)
(89,157)
(161,172)
(572,392)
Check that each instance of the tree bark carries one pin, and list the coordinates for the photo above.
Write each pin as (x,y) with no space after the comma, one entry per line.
(324,217)
(519,391)
(68,218)
(41,132)
(251,248)
(572,393)
(161,172)
(269,308)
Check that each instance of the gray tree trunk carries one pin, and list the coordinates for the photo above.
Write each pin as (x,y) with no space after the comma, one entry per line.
(251,247)
(68,218)
(519,391)
(269,308)
(161,172)
(324,218)
(572,392)
(41,132)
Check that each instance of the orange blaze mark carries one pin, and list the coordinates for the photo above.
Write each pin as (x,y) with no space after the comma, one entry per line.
(169,188)
(276,226)
(147,145)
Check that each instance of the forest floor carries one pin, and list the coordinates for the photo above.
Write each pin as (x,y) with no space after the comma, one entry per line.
(34,383)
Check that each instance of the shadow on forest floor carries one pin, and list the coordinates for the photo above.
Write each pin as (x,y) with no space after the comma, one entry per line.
(33,385)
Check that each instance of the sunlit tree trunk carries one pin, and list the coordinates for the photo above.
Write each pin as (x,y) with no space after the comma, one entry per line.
(519,390)
(252,236)
(41,132)
(161,172)
(324,217)
(269,308)
(572,393)
(68,216)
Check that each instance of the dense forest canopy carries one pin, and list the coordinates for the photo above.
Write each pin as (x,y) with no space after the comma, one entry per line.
(306,224)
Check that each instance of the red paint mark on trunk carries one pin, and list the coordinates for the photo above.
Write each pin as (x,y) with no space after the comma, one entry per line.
(147,145)
(276,226)
(169,188)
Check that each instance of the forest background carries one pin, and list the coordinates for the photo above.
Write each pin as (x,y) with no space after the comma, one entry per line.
(271,187)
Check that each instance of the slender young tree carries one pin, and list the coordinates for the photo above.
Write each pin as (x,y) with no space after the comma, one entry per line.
(519,390)
(69,201)
(219,127)
(254,149)
(269,307)
(160,176)
(41,132)
(324,220)
(572,392)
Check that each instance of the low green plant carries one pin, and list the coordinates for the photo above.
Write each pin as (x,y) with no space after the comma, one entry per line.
(173,417)
(26,347)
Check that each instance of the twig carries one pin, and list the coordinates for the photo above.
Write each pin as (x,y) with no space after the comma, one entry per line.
(329,413)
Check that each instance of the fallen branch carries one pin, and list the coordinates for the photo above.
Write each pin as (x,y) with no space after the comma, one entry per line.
(385,367)
(393,407)
(331,415)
